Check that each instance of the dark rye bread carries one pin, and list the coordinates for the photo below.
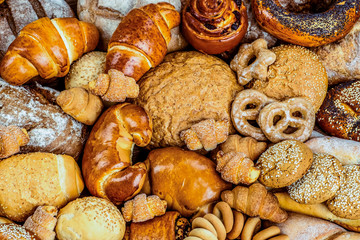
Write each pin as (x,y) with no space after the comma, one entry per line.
(15,14)
(50,129)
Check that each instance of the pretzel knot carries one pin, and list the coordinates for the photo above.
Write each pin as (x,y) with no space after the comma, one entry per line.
(290,119)
(205,134)
(245,110)
(259,68)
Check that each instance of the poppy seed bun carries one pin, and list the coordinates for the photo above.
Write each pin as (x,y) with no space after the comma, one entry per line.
(187,87)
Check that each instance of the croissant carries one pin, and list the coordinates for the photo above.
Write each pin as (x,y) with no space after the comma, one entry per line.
(11,139)
(114,86)
(236,168)
(205,134)
(143,208)
(255,201)
(80,104)
(47,48)
(42,222)
(106,165)
(140,40)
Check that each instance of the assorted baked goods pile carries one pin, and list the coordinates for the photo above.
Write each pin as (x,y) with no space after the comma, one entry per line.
(141,143)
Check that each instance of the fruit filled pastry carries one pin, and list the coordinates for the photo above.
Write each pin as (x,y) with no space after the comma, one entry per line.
(47,48)
(191,179)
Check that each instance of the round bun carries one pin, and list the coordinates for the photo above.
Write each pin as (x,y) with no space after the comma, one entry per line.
(90,218)
(321,181)
(85,70)
(284,163)
(297,72)
(11,231)
(346,203)
(186,88)
(339,114)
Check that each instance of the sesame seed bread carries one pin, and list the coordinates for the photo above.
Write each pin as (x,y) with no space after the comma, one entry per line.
(297,72)
(12,231)
(34,179)
(90,218)
(284,163)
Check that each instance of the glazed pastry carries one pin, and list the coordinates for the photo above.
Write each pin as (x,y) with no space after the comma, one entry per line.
(42,222)
(171,226)
(245,111)
(185,99)
(291,119)
(140,40)
(37,179)
(255,201)
(47,48)
(191,179)
(236,168)
(321,181)
(107,165)
(214,27)
(90,218)
(16,14)
(34,108)
(85,69)
(338,116)
(284,163)
(205,134)
(345,204)
(296,72)
(308,29)
(114,86)
(258,69)
(80,104)
(106,15)
(143,208)
(346,151)
(11,231)
(11,139)
(316,210)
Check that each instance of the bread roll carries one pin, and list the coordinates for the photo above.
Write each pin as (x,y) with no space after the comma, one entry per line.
(12,231)
(90,218)
(34,179)
(185,179)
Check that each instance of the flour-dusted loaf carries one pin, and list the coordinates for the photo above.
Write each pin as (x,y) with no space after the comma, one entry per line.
(16,14)
(49,128)
(107,14)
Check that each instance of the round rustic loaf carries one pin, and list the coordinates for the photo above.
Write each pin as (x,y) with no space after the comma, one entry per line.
(106,15)
(16,14)
(185,89)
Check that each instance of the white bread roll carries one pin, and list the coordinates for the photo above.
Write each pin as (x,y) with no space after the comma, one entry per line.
(90,218)
(347,151)
(35,179)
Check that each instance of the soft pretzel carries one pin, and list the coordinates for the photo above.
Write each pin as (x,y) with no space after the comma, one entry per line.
(205,134)
(11,139)
(106,165)
(257,69)
(290,119)
(246,108)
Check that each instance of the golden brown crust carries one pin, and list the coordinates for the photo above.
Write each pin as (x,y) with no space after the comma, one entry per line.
(297,72)
(212,26)
(11,139)
(42,222)
(11,231)
(307,29)
(284,163)
(40,49)
(338,115)
(107,165)
(140,40)
(191,179)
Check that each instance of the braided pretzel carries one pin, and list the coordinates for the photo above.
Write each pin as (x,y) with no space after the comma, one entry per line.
(290,119)
(245,108)
(225,223)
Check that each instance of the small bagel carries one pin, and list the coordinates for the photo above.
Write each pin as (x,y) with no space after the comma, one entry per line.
(223,211)
(217,224)
(202,234)
(239,220)
(251,227)
(267,233)
(203,223)
(307,29)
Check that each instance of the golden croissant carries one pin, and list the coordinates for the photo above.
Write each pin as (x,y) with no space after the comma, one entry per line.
(47,48)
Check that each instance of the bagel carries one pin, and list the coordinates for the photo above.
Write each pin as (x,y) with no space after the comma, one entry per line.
(307,29)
